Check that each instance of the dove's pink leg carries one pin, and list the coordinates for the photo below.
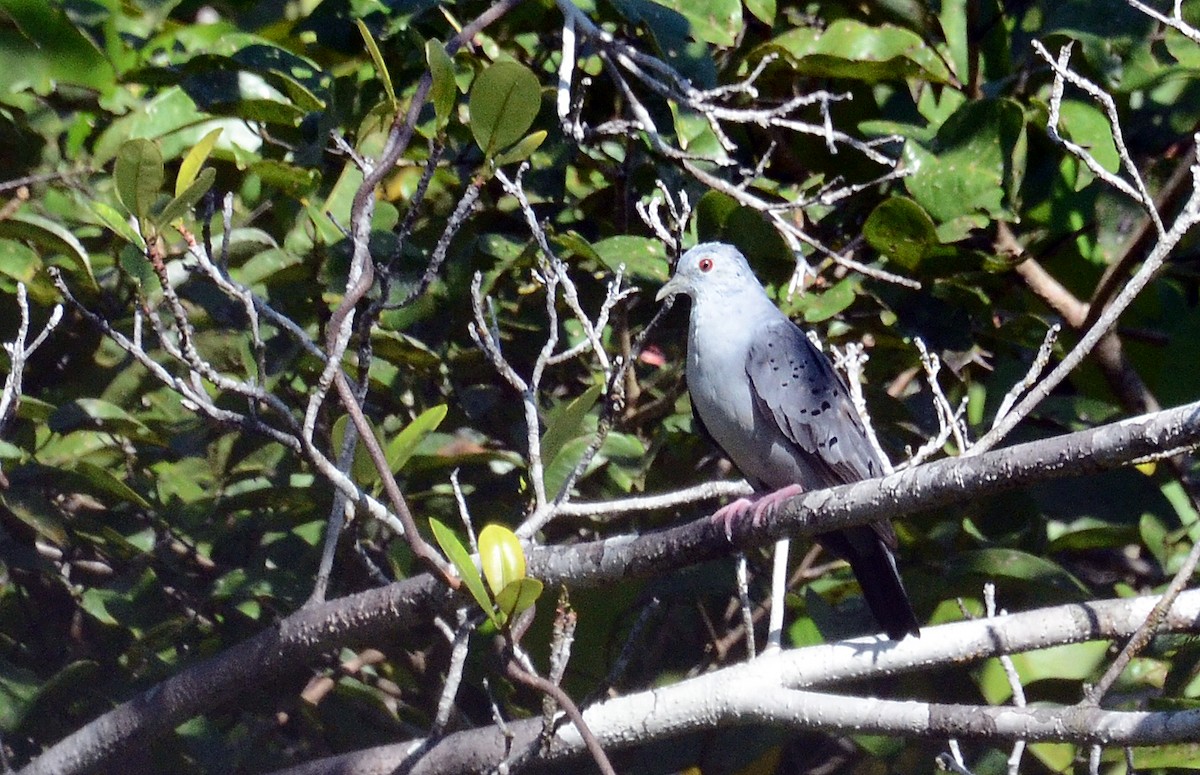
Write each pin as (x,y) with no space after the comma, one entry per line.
(759,506)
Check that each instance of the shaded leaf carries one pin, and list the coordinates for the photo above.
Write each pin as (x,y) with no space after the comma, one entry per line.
(183,204)
(139,175)
(565,421)
(504,101)
(381,69)
(901,230)
(444,90)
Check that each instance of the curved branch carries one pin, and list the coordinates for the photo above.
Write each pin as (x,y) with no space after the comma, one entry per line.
(772,690)
(368,616)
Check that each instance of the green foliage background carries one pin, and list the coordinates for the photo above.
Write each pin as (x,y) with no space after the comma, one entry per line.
(136,537)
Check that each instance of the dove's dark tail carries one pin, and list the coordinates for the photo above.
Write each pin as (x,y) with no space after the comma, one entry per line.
(875,568)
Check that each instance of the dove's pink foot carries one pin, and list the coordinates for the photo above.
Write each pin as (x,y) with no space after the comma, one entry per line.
(727,514)
(758,506)
(767,504)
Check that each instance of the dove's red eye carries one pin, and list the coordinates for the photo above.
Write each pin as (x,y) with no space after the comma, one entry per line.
(705,264)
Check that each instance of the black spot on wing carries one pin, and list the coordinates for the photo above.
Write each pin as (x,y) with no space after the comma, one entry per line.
(814,412)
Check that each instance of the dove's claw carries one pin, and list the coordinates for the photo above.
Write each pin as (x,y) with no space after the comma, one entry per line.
(766,505)
(727,514)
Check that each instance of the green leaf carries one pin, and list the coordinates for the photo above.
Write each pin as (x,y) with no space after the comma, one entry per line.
(816,307)
(900,229)
(967,168)
(402,447)
(1089,127)
(1000,563)
(712,211)
(851,49)
(96,414)
(1076,661)
(194,160)
(444,92)
(763,10)
(139,175)
(522,150)
(380,66)
(710,21)
(460,558)
(501,556)
(33,509)
(362,468)
(644,258)
(18,688)
(116,223)
(504,101)
(565,421)
(1171,758)
(49,236)
(518,596)
(104,482)
(182,204)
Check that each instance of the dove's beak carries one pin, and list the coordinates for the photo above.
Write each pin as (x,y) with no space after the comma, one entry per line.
(672,287)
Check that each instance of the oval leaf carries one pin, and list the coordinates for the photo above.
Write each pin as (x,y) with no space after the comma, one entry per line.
(502,557)
(139,175)
(505,99)
(900,229)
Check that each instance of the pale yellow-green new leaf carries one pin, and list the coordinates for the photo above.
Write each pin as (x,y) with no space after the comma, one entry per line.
(191,164)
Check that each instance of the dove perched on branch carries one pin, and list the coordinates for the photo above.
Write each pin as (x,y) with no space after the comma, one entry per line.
(774,405)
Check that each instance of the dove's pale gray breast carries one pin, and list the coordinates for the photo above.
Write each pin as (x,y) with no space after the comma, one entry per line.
(724,396)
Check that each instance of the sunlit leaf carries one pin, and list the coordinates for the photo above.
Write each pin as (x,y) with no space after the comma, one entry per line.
(460,558)
(194,160)
(501,556)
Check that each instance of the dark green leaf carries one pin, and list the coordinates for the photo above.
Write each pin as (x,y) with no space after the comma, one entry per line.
(139,176)
(504,101)
(901,230)
(183,204)
(377,57)
(565,421)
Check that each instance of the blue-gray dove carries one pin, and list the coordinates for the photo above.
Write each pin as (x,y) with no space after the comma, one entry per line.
(774,405)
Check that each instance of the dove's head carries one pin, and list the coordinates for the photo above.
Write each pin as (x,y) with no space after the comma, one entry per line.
(711,270)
